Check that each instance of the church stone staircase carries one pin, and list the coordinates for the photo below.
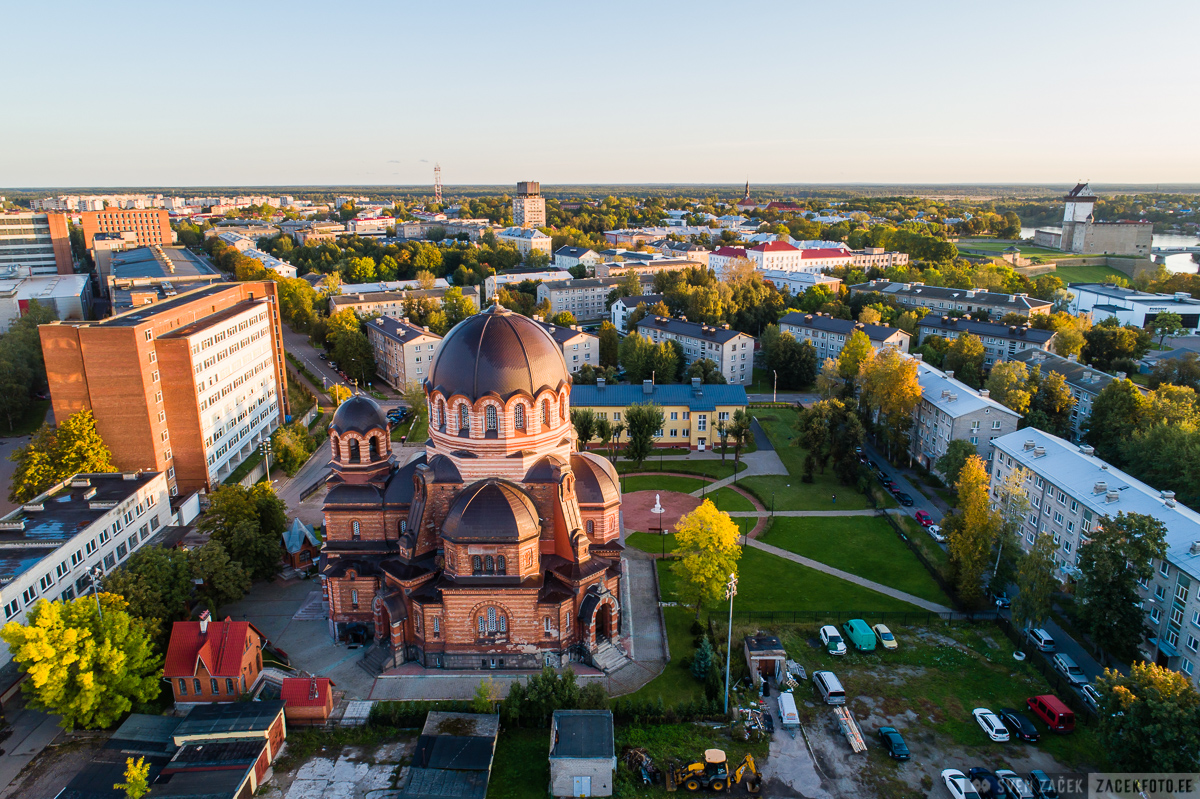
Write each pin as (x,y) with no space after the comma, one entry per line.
(372,662)
(608,658)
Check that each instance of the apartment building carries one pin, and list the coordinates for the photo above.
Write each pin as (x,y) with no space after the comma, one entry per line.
(1000,342)
(394,303)
(525,239)
(691,412)
(370,226)
(783,257)
(731,350)
(647,266)
(569,257)
(584,298)
(146,275)
(577,346)
(494,283)
(69,296)
(152,225)
(34,243)
(1085,382)
(53,546)
(877,258)
(623,306)
(529,206)
(829,334)
(720,258)
(943,300)
(1071,491)
(188,386)
(681,250)
(951,410)
(1132,307)
(403,351)
(800,282)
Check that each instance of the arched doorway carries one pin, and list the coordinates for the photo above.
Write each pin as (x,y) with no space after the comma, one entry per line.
(599,617)
(606,622)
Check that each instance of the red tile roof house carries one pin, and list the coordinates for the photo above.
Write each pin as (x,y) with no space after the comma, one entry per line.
(309,700)
(213,662)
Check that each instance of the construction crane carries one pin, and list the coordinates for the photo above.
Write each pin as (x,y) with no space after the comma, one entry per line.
(712,773)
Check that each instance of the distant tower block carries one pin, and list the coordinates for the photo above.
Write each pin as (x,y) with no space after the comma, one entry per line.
(437,183)
(529,206)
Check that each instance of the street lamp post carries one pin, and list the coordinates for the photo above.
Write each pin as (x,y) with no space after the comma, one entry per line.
(266,450)
(775,387)
(96,575)
(730,593)
(772,504)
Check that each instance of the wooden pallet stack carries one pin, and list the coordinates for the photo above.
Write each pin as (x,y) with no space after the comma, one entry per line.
(850,729)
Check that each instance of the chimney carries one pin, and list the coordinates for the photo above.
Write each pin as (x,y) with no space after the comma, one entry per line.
(695,384)
(945,393)
(1028,444)
(1112,496)
(204,617)
(949,374)
(1100,487)
(1194,549)
(917,356)
(983,392)
(1168,498)
(1087,450)
(647,386)
(1072,358)
(1121,375)
(1039,452)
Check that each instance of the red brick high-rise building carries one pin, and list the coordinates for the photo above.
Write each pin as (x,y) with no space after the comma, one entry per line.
(498,546)
(152,225)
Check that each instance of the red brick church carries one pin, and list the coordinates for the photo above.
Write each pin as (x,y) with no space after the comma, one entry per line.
(499,546)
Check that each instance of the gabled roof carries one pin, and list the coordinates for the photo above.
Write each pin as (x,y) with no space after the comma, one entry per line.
(297,535)
(824,253)
(774,246)
(831,324)
(730,252)
(220,648)
(305,691)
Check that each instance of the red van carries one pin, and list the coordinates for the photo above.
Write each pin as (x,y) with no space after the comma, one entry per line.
(1052,710)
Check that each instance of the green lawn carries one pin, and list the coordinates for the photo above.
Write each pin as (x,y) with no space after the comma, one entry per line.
(650,542)
(678,743)
(929,548)
(728,500)
(663,482)
(862,545)
(521,768)
(1028,250)
(710,468)
(29,422)
(676,684)
(1087,274)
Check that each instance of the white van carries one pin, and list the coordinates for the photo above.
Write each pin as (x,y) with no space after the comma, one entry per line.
(829,687)
(1041,639)
(788,717)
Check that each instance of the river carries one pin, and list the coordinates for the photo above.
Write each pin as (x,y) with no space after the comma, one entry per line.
(1176,263)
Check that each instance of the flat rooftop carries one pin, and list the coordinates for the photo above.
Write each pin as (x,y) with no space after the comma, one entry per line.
(214,319)
(136,316)
(144,262)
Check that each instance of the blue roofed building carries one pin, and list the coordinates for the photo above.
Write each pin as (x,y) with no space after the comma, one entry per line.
(691,412)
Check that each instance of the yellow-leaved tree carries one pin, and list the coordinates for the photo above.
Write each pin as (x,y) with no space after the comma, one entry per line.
(973,532)
(136,774)
(88,667)
(706,541)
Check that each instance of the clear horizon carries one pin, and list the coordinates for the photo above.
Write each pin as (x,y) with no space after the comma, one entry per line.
(306,94)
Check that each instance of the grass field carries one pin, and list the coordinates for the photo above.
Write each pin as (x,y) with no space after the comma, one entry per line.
(862,545)
(728,500)
(706,467)
(676,684)
(664,482)
(1087,274)
(521,768)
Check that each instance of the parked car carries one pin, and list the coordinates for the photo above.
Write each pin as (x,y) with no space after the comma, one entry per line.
(1017,788)
(1001,599)
(904,499)
(333,365)
(1019,725)
(1091,697)
(1043,786)
(958,785)
(1069,669)
(935,532)
(323,356)
(987,783)
(832,640)
(874,466)
(924,518)
(886,639)
(991,724)
(1040,639)
(860,635)
(893,743)
(882,475)
(887,484)
(1050,709)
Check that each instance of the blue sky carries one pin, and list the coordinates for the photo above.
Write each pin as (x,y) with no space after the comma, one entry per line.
(258,93)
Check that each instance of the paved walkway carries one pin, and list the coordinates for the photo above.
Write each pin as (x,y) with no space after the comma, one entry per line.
(31,733)
(767,514)
(924,604)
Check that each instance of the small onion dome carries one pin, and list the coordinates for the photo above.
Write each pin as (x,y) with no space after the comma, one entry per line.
(358,414)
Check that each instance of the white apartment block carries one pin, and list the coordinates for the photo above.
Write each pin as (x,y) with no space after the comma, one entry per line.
(34,243)
(951,410)
(403,351)
(393,303)
(828,334)
(577,346)
(731,350)
(719,258)
(585,299)
(525,239)
(623,306)
(1070,491)
(567,257)
(1132,307)
(494,283)
(800,282)
(783,257)
(52,547)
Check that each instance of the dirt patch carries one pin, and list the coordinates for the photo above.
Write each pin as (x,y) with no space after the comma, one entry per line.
(636,505)
(49,772)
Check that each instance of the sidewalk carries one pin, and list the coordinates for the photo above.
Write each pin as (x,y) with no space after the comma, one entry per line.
(31,733)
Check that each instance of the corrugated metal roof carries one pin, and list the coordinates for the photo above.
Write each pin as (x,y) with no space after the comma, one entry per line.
(620,396)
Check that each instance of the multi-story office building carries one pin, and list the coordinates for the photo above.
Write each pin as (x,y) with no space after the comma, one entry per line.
(152,225)
(691,413)
(69,296)
(55,545)
(731,350)
(1071,491)
(403,351)
(829,334)
(951,410)
(189,386)
(394,303)
(1000,342)
(529,206)
(525,239)
(623,306)
(35,244)
(577,346)
(1133,307)
(1085,382)
(585,298)
(943,300)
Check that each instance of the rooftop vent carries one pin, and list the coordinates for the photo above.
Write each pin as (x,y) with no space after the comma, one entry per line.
(983,392)
(91,492)
(1168,498)
(80,482)
(949,374)
(1029,444)
(945,393)
(954,398)
(33,507)
(204,617)
(1086,449)
(1112,496)
(131,475)
(647,386)
(1038,452)
(1073,358)
(1100,487)
(600,382)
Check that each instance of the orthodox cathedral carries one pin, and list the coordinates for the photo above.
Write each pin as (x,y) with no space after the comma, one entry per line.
(499,546)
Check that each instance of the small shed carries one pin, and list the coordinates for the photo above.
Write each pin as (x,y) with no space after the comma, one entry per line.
(453,758)
(765,657)
(582,753)
(300,545)
(309,699)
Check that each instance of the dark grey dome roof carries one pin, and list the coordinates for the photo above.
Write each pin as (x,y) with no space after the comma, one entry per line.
(497,351)
(359,414)
(491,510)
(596,480)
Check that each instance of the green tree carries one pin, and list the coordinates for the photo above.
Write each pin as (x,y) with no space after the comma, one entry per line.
(249,524)
(90,668)
(562,319)
(702,661)
(964,357)
(793,363)
(610,343)
(222,580)
(584,420)
(1149,720)
(54,454)
(1008,385)
(1035,584)
(1052,405)
(1117,413)
(642,422)
(456,307)
(740,433)
(707,370)
(951,463)
(356,357)
(973,533)
(1165,324)
(856,350)
(156,582)
(136,774)
(891,391)
(1116,557)
(637,357)
(706,540)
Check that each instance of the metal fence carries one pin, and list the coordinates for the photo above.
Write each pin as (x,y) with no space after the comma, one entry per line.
(838,616)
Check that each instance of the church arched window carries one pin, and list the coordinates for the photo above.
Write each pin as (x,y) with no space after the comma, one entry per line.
(503,623)
(545,412)
(500,565)
(375,448)
(477,564)
(441,414)
(464,417)
(354,452)
(355,530)
(403,526)
(591,527)
(491,417)
(491,620)
(489,565)
(482,625)
(519,415)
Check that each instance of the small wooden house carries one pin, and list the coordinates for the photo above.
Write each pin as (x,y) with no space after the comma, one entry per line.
(765,656)
(309,700)
(301,547)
